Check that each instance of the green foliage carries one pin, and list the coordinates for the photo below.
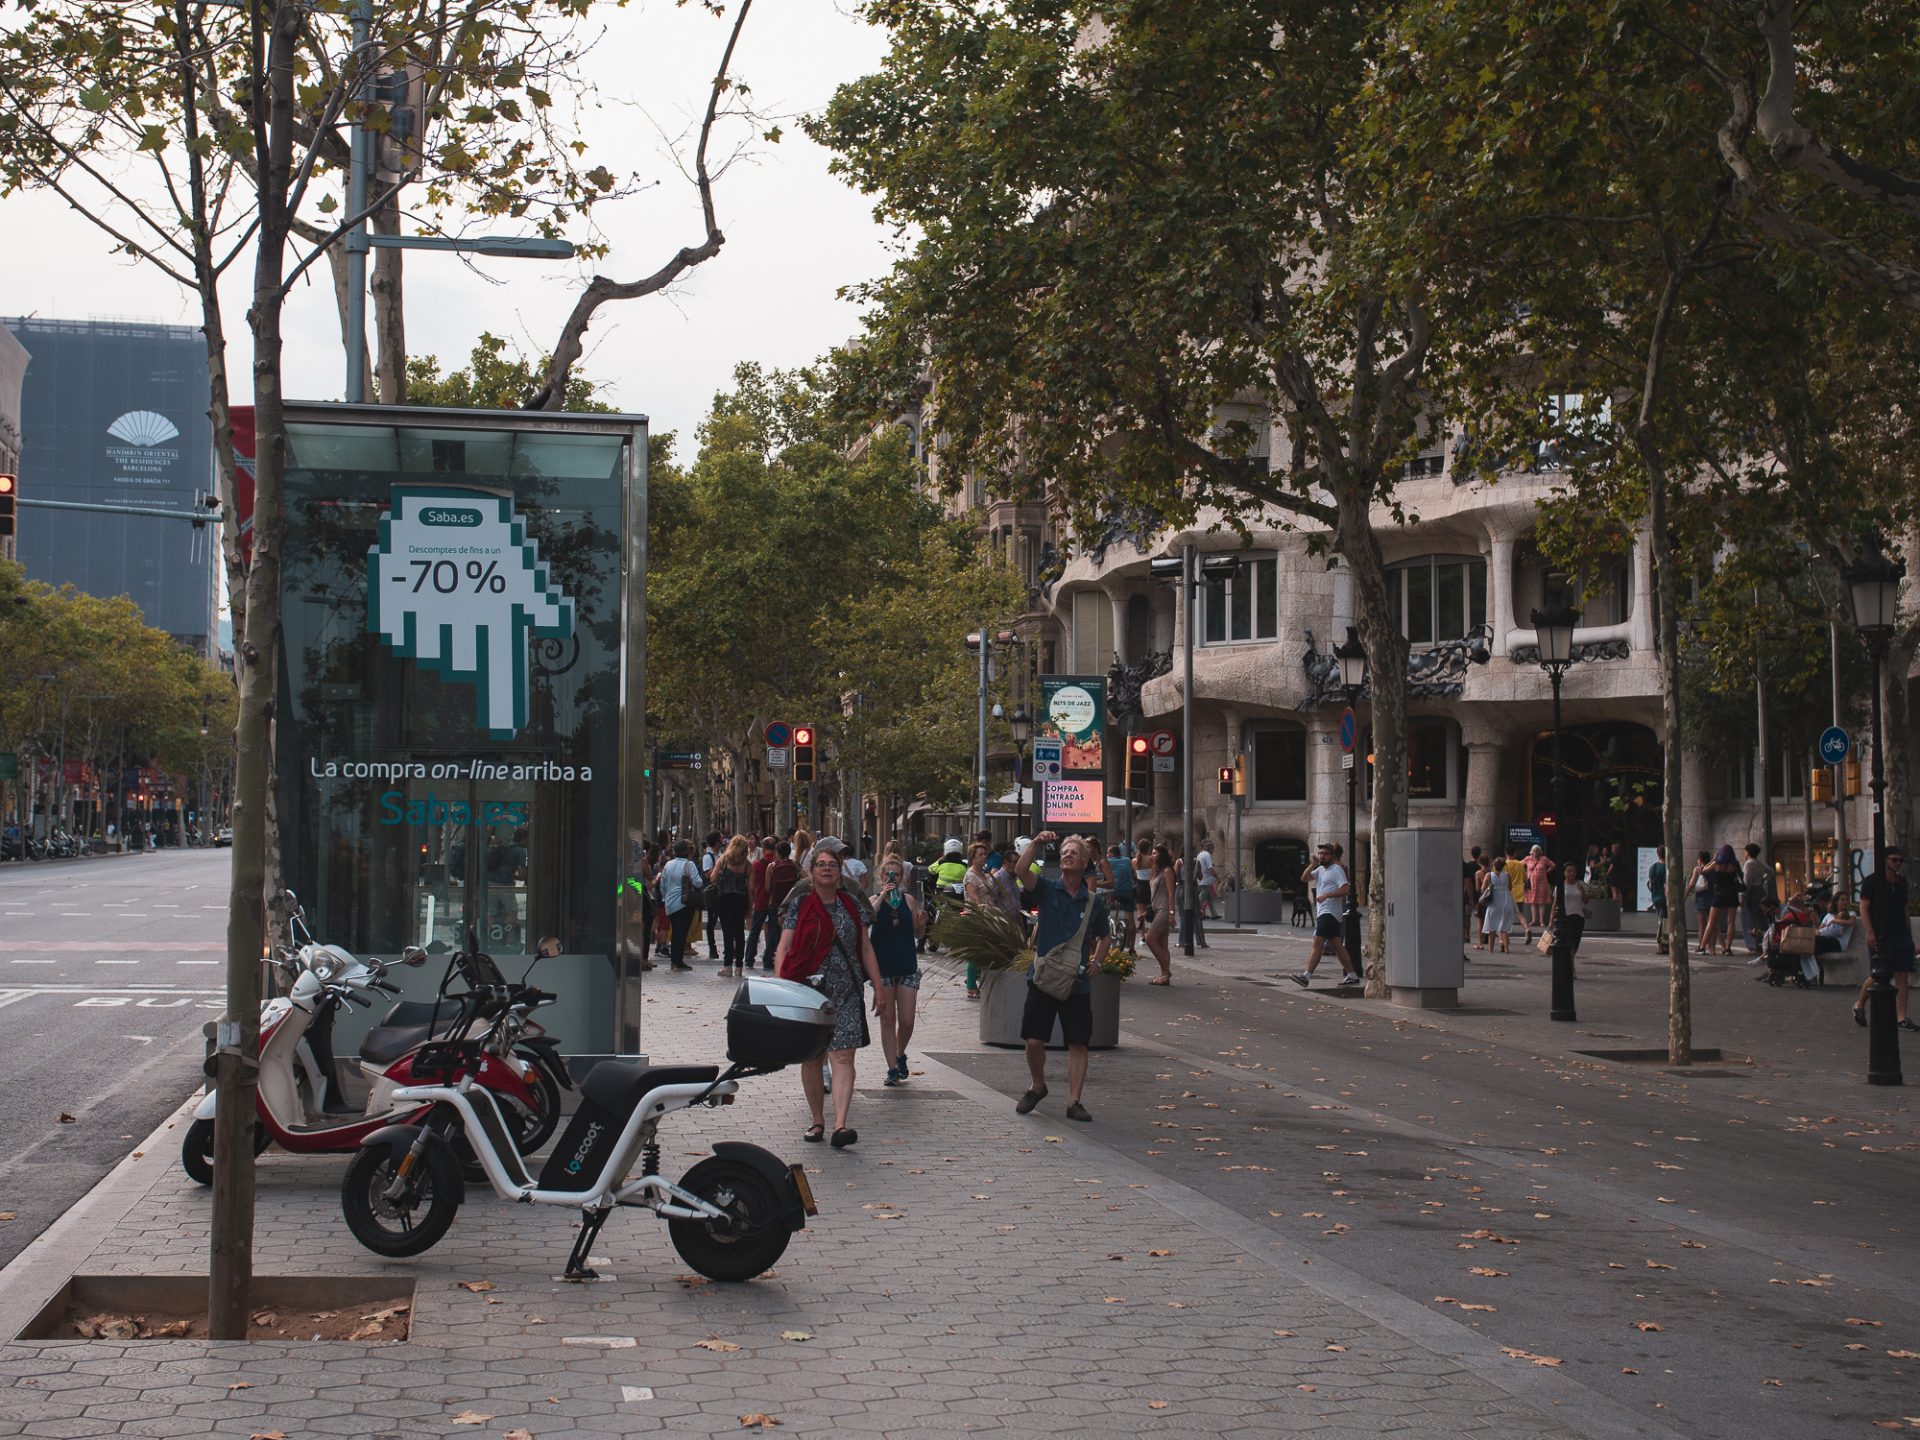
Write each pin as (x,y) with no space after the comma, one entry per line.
(789,572)
(494,378)
(982,935)
(84,677)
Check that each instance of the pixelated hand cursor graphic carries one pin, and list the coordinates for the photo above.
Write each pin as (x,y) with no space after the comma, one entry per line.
(455,584)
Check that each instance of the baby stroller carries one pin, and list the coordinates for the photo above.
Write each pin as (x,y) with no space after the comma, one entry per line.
(1790,944)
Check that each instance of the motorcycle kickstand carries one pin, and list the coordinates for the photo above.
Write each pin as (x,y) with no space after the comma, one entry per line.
(577,1267)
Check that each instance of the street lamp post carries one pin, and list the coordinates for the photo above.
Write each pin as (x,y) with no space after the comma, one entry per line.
(1353,679)
(1874,580)
(1022,726)
(1553,629)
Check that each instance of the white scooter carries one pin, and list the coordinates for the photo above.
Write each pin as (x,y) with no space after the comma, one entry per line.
(730,1216)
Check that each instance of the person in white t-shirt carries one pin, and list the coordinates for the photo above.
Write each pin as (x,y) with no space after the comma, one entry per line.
(1327,879)
(1203,872)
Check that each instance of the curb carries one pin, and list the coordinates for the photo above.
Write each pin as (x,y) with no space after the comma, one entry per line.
(55,1255)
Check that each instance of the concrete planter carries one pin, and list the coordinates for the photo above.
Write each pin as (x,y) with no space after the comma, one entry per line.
(1004,996)
(1258,907)
(1603,915)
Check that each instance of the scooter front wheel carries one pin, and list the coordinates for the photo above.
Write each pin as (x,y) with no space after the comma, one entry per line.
(196,1149)
(415,1222)
(753,1241)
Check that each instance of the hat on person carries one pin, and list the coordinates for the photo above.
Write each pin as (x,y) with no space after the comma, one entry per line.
(832,844)
(1020,842)
(952,847)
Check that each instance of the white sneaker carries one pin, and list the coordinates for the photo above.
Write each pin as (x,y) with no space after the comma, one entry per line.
(1350,979)
(1302,979)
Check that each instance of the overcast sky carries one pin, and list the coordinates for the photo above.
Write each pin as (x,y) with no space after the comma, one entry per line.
(795,235)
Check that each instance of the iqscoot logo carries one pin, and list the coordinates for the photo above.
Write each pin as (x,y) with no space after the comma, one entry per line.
(579,1160)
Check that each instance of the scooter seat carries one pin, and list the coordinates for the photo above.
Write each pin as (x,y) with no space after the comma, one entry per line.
(616,1086)
(387,1043)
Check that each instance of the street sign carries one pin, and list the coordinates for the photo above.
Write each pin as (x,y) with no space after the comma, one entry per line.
(1163,764)
(1835,745)
(1346,759)
(1346,734)
(1046,759)
(778,734)
(682,759)
(1163,743)
(776,757)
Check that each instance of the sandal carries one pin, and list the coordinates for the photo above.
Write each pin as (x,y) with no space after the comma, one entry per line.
(1161,980)
(845,1136)
(814,1133)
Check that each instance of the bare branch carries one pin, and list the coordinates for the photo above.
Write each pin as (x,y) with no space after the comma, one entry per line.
(568,348)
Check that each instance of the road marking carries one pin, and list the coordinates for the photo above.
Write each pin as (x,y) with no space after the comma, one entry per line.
(116,962)
(137,947)
(165,905)
(177,962)
(139,1039)
(604,1342)
(214,907)
(57,988)
(8,997)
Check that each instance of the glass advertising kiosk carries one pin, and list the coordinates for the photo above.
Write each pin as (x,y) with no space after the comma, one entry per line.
(462,673)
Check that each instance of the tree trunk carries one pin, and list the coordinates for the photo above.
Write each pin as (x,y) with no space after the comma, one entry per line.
(1667,584)
(389,309)
(1387,652)
(230,1268)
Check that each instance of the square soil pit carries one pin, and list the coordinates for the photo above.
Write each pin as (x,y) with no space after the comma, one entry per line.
(362,1309)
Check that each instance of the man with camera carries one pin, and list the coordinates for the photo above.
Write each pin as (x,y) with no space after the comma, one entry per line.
(1070,917)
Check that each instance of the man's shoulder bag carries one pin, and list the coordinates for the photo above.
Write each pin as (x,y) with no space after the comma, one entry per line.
(1056,971)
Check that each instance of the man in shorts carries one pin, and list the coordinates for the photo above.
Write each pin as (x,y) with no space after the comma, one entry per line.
(1327,879)
(1060,905)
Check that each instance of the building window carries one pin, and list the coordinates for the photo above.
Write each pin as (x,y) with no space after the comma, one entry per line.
(1242,606)
(1436,760)
(1438,597)
(1278,752)
(1786,775)
(1092,632)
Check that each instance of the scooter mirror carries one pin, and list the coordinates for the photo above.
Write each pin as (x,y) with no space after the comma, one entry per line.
(548,947)
(413,955)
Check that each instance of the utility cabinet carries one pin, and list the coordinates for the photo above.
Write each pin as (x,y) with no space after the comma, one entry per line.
(1426,964)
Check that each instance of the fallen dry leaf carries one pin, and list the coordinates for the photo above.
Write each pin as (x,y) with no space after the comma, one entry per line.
(517,1435)
(1529,1356)
(63,1118)
(8,1215)
(1158,1254)
(1646,1325)
(1156,1404)
(1856,1320)
(758,1420)
(1286,1334)
(470,1417)
(1488,1273)
(1656,1265)
(721,1347)
(1113,1299)
(241,1385)
(796,1335)
(1489,1309)
(1052,1139)
(476,1286)
(268,1435)
(1904,1354)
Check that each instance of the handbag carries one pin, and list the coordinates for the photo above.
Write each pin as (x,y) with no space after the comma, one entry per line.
(1798,939)
(1056,972)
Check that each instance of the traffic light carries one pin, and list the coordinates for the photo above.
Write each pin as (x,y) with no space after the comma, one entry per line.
(1139,762)
(1853,778)
(803,752)
(1822,789)
(1240,775)
(9,488)
(1226,779)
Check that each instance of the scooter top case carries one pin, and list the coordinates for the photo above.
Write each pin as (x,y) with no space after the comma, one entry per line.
(775,1023)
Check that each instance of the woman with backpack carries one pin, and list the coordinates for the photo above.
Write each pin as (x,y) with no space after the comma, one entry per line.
(729,885)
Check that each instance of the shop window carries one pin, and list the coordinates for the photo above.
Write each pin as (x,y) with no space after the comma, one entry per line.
(1438,597)
(1436,760)
(1244,605)
(1279,755)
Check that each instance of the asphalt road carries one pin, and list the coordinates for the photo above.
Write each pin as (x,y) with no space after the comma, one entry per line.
(108,969)
(1725,1254)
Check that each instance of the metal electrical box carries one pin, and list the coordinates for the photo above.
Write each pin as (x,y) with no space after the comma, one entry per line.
(1426,964)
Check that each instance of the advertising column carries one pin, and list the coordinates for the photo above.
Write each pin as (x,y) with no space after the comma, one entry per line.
(454,686)
(1073,711)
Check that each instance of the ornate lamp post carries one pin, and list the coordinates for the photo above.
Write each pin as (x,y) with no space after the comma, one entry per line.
(1874,580)
(1021,724)
(1353,679)
(1554,628)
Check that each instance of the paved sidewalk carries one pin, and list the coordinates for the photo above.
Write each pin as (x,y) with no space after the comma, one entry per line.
(971,1271)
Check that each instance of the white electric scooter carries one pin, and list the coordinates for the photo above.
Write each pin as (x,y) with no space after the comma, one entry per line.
(730,1216)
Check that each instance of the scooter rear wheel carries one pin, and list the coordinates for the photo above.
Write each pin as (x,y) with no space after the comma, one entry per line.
(402,1227)
(755,1240)
(196,1150)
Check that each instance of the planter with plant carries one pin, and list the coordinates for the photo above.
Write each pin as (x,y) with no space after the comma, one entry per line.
(996,942)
